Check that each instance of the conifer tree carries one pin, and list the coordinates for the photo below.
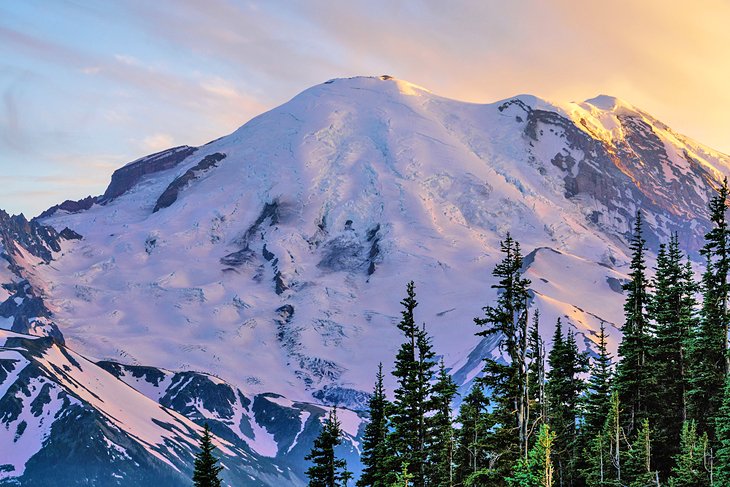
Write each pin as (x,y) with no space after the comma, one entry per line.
(633,380)
(637,465)
(506,379)
(471,451)
(327,470)
(672,309)
(722,429)
(690,469)
(597,402)
(412,404)
(708,347)
(536,376)
(441,450)
(537,469)
(563,389)
(207,470)
(376,458)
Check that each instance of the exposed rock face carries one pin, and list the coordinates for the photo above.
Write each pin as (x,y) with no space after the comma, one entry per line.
(125,178)
(71,206)
(633,168)
(66,421)
(169,196)
(16,232)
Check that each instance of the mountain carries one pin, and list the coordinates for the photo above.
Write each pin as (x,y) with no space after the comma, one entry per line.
(271,261)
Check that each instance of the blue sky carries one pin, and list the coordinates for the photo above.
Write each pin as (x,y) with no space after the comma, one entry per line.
(87,86)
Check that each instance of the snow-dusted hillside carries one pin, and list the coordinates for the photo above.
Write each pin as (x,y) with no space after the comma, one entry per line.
(275,257)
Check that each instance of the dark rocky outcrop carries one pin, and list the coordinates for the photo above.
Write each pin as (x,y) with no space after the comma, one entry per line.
(126,177)
(169,196)
(70,206)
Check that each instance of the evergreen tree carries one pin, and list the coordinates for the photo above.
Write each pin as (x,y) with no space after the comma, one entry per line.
(708,347)
(637,466)
(691,469)
(672,308)
(633,380)
(722,429)
(206,464)
(441,450)
(327,470)
(506,379)
(536,376)
(597,402)
(376,457)
(598,471)
(471,452)
(563,389)
(412,403)
(537,469)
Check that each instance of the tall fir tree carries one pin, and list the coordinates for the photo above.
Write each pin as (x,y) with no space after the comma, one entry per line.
(672,309)
(376,457)
(597,400)
(442,446)
(633,381)
(471,449)
(708,347)
(327,470)
(506,378)
(564,388)
(207,470)
(412,397)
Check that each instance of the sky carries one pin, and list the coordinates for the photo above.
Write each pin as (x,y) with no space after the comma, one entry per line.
(86,87)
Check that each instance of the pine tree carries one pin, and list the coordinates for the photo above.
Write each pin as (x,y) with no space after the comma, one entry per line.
(327,470)
(633,380)
(537,469)
(412,405)
(563,389)
(206,464)
(597,402)
(691,467)
(441,450)
(506,379)
(471,451)
(722,430)
(672,308)
(376,457)
(708,347)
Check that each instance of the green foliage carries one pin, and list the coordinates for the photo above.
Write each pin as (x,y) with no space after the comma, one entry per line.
(206,464)
(672,309)
(412,403)
(471,449)
(327,470)
(507,379)
(563,389)
(633,380)
(708,347)
(691,469)
(376,456)
(537,469)
(441,447)
(597,400)
(638,470)
(722,429)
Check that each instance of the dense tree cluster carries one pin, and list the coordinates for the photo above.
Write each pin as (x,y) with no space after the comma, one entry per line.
(659,414)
